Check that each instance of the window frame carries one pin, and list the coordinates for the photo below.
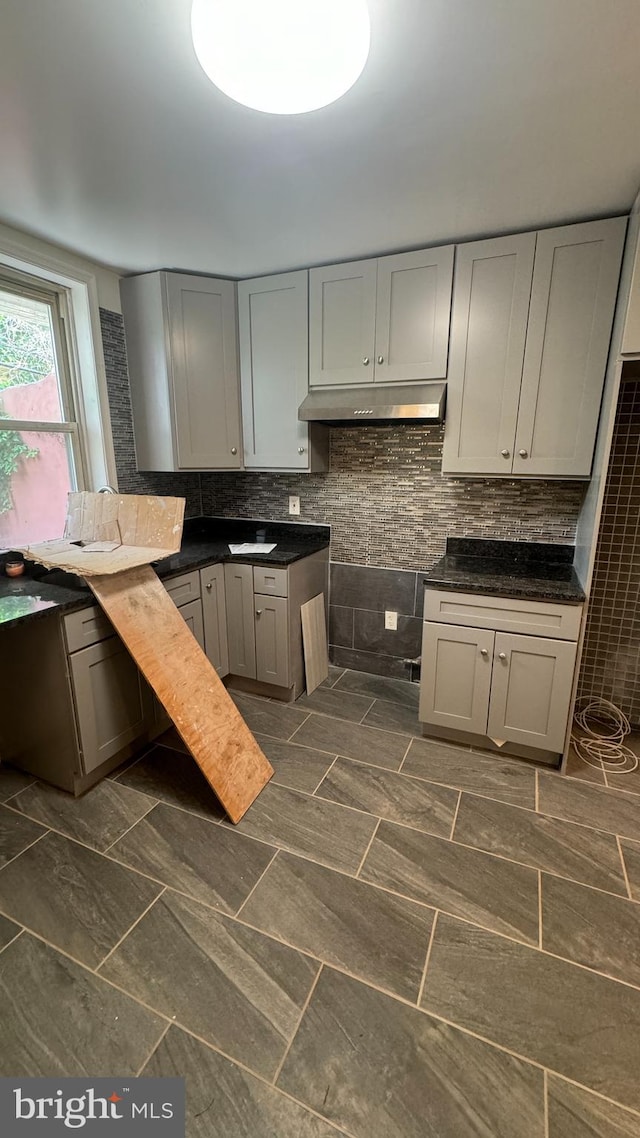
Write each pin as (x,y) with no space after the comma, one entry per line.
(77,280)
(55,298)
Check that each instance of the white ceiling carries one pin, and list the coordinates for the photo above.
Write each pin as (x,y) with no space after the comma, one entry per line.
(472,117)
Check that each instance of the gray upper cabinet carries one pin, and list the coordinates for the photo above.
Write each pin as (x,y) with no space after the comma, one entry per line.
(573,296)
(413,308)
(532,317)
(181,337)
(384,320)
(274,371)
(488,335)
(342,323)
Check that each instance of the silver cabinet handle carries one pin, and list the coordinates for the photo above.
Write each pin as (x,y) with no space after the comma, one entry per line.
(301,450)
(209,585)
(484,652)
(523,453)
(380,359)
(502,655)
(234,450)
(258,612)
(365,360)
(505,453)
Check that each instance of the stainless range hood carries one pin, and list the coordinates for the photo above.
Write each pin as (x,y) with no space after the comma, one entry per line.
(415,403)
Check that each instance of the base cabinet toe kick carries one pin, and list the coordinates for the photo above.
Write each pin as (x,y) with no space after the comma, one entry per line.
(498,672)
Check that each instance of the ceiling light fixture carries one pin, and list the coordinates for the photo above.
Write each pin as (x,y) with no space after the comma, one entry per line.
(284,57)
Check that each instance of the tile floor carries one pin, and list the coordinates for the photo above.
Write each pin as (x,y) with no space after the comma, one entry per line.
(401,939)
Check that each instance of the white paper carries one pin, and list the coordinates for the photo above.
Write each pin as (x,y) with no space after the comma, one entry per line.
(253,547)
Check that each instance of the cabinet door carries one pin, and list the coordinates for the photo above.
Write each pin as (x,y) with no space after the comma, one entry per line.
(342,317)
(112,700)
(488,333)
(215,617)
(191,613)
(413,309)
(456,676)
(531,690)
(272,639)
(575,284)
(238,591)
(204,371)
(274,370)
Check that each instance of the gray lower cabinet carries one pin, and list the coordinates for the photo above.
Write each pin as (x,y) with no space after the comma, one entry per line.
(258,629)
(272,639)
(112,700)
(531,690)
(238,584)
(456,680)
(263,621)
(508,686)
(214,614)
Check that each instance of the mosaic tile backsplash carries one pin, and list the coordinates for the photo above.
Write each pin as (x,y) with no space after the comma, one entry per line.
(611,655)
(389,505)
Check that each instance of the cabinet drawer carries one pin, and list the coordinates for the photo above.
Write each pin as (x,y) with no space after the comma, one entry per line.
(533,618)
(86,627)
(184,588)
(270,582)
(90,625)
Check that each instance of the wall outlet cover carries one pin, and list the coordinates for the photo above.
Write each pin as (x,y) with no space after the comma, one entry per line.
(391,620)
(294,504)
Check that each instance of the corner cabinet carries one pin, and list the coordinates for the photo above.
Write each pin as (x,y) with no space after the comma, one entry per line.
(274,373)
(181,336)
(381,321)
(531,325)
(487,672)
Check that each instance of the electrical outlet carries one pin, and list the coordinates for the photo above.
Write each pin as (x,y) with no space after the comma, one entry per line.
(391,621)
(294,504)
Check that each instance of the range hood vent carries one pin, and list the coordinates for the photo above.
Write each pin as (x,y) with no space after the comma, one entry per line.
(379,406)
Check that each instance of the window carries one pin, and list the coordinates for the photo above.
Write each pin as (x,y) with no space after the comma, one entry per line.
(41,448)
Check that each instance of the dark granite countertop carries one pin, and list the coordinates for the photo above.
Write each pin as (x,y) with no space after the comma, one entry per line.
(537,571)
(204,541)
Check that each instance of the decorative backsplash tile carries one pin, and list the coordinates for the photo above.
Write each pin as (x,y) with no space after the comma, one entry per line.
(388,504)
(130,480)
(611,656)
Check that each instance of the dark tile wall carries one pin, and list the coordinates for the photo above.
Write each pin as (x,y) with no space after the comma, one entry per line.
(611,657)
(130,480)
(359,596)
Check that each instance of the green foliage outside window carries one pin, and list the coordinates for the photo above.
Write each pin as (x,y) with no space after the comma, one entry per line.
(25,357)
